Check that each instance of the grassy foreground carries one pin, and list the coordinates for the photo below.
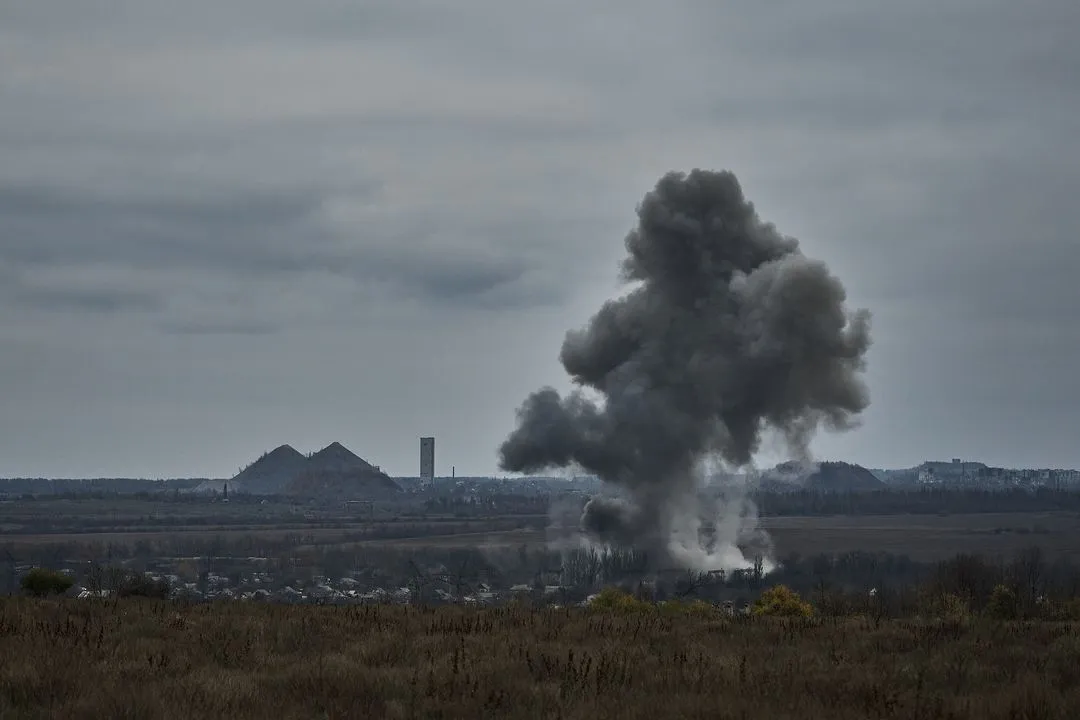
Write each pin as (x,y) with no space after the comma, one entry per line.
(150,659)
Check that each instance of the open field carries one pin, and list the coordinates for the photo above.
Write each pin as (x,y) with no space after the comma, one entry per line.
(922,537)
(85,659)
(323,533)
(929,537)
(128,516)
(487,538)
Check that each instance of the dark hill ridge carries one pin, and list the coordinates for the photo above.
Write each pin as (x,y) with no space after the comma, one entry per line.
(843,477)
(827,477)
(334,472)
(340,485)
(279,455)
(270,473)
(337,457)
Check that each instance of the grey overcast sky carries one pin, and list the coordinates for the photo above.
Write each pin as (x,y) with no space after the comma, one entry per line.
(229,225)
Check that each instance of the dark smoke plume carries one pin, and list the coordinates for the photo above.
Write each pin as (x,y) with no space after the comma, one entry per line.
(730,330)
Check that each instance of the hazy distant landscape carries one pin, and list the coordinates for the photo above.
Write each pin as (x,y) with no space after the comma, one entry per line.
(289,586)
(181,585)
(327,513)
(569,361)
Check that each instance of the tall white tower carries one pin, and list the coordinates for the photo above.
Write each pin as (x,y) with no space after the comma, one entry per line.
(427,461)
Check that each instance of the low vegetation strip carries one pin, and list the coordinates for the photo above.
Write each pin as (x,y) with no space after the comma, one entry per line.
(153,659)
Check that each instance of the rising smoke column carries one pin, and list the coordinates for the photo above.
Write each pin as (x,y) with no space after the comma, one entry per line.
(728,331)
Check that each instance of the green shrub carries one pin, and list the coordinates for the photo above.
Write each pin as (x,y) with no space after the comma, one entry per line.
(781,601)
(614,600)
(688,608)
(1059,610)
(1003,604)
(139,585)
(945,606)
(1071,609)
(40,582)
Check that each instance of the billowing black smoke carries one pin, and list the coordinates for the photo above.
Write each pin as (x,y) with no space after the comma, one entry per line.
(729,331)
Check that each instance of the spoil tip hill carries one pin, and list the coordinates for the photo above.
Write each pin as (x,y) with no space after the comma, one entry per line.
(334,472)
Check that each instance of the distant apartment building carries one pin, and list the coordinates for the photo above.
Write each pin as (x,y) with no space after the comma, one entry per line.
(1062,479)
(959,474)
(927,476)
(956,473)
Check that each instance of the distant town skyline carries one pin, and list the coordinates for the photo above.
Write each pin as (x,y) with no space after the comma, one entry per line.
(925,476)
(227,228)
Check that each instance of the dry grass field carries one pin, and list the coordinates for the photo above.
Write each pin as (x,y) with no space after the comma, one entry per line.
(321,534)
(921,537)
(929,537)
(147,659)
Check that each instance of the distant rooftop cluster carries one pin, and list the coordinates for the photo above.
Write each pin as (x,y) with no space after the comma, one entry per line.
(960,473)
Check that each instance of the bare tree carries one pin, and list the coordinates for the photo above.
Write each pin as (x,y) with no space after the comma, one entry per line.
(13,584)
(1028,570)
(420,583)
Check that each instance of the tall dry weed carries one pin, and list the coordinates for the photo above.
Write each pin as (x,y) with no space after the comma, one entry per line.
(150,659)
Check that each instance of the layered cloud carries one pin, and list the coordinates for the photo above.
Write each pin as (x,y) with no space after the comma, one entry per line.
(235,175)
